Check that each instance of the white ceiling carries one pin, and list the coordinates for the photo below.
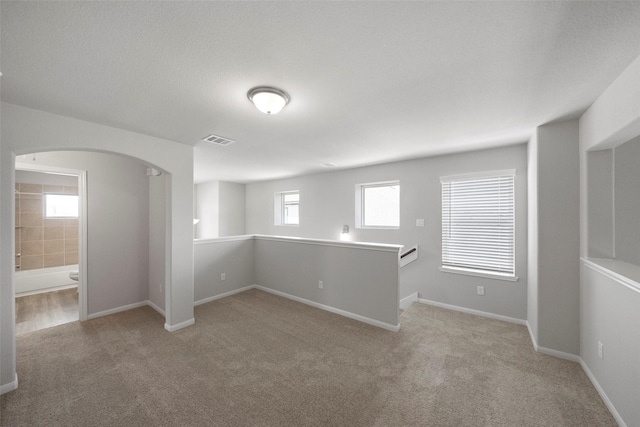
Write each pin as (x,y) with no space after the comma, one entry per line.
(370,82)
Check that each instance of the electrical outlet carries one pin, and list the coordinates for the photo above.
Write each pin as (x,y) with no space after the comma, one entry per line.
(320,284)
(480,290)
(419,222)
(600,350)
(223,276)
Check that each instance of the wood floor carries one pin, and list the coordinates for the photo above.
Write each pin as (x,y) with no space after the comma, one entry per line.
(40,311)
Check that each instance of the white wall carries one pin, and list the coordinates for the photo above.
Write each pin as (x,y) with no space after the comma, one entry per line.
(554,234)
(327,202)
(609,310)
(25,130)
(117,220)
(44,178)
(207,209)
(231,209)
(220,206)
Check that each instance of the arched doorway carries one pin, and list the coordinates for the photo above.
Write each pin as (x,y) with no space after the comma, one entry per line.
(25,131)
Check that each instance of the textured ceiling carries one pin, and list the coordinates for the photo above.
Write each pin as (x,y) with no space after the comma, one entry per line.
(370,82)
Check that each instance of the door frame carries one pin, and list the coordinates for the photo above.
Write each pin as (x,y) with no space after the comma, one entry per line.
(82,224)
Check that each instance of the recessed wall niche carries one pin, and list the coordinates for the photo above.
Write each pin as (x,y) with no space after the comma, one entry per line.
(627,201)
(613,200)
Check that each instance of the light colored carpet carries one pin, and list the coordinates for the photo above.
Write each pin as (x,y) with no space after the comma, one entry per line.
(255,359)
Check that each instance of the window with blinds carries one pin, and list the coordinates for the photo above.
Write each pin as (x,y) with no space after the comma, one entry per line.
(478,223)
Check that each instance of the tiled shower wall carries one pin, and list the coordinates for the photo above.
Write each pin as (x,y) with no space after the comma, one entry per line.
(42,242)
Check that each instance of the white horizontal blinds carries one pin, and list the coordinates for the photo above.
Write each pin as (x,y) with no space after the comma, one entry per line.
(478,224)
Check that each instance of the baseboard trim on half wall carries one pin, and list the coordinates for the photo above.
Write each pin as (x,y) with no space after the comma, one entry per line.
(178,326)
(550,351)
(117,309)
(602,394)
(6,388)
(472,311)
(223,295)
(407,301)
(373,322)
(156,308)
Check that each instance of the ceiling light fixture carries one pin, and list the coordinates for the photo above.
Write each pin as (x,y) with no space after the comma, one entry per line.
(269,100)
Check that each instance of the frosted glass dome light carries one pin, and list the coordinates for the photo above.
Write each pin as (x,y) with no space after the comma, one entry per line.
(267,99)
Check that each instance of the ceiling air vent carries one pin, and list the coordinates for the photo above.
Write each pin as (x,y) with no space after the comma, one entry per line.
(218,140)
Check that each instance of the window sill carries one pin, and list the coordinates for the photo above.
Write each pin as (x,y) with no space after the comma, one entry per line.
(479,274)
(287,225)
(380,227)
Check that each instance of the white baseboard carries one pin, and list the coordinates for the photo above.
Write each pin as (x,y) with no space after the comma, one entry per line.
(117,309)
(223,295)
(550,351)
(156,308)
(383,325)
(6,388)
(125,308)
(472,311)
(181,325)
(407,301)
(602,394)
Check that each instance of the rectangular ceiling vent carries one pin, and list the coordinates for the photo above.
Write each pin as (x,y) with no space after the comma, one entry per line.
(218,140)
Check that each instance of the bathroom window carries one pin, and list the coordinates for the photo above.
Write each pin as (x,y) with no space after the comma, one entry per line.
(287,208)
(60,206)
(378,205)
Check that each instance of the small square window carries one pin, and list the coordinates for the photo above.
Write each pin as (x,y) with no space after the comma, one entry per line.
(61,206)
(287,208)
(378,205)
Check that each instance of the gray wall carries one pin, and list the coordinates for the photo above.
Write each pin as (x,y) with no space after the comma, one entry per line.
(234,258)
(118,226)
(627,201)
(327,202)
(157,239)
(610,314)
(600,206)
(532,237)
(361,281)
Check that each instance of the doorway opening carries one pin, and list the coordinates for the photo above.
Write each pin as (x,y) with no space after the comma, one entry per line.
(50,239)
